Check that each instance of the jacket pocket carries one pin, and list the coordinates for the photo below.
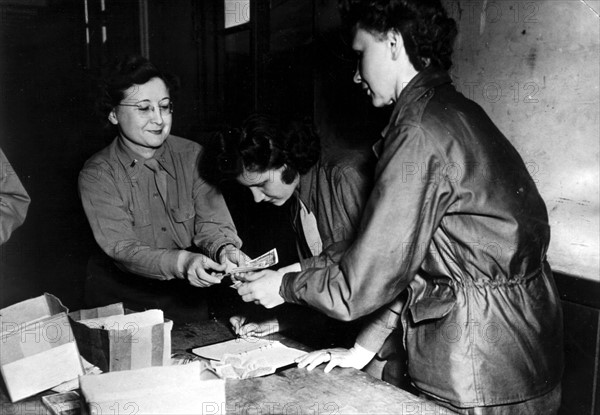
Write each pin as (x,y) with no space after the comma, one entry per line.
(431,299)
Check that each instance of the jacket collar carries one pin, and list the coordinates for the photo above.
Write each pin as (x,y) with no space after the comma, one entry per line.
(377,148)
(423,82)
(306,184)
(132,162)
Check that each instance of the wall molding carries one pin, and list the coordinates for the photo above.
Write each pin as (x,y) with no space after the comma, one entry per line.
(578,290)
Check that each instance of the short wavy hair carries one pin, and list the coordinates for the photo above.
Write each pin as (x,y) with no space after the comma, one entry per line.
(262,143)
(123,74)
(427,31)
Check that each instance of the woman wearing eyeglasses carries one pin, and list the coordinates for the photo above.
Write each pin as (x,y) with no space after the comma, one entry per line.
(160,227)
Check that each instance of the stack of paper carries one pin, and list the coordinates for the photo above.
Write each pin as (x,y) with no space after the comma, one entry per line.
(248,357)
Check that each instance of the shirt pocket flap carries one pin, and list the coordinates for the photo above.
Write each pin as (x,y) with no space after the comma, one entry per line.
(141,217)
(434,301)
(182,214)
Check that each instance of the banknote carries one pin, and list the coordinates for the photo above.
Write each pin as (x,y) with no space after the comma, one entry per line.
(266,260)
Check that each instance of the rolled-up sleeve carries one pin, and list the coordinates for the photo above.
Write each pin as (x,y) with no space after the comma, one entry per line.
(112,226)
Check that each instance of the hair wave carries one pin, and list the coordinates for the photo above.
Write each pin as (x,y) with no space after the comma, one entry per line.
(262,143)
(427,31)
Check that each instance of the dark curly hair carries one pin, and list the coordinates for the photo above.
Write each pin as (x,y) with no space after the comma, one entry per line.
(123,74)
(427,31)
(262,143)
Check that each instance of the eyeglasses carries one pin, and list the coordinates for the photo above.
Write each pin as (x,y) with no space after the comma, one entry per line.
(146,110)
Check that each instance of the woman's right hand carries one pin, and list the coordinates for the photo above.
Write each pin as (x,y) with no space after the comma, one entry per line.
(195,268)
(244,328)
(356,357)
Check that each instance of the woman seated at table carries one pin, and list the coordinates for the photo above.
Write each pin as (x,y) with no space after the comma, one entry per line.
(280,161)
(162,229)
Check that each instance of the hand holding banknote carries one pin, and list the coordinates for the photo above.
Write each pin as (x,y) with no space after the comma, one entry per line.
(262,288)
(232,257)
(238,274)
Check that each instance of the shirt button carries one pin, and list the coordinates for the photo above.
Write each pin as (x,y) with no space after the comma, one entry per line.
(163,229)
(155,195)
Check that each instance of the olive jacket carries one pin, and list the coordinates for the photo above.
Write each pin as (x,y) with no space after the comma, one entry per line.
(454,218)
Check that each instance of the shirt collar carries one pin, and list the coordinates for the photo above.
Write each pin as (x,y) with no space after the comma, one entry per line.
(423,82)
(128,158)
(165,158)
(131,161)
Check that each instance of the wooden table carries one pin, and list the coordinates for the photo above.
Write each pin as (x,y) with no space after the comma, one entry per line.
(342,391)
(288,391)
(298,391)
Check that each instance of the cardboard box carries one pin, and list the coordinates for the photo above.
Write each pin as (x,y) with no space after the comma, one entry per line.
(155,390)
(37,347)
(64,403)
(122,339)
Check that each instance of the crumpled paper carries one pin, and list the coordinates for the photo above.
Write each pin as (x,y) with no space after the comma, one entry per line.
(236,366)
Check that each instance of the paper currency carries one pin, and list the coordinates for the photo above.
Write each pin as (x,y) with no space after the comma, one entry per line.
(264,261)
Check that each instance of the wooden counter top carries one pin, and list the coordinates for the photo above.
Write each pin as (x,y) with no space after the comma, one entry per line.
(288,391)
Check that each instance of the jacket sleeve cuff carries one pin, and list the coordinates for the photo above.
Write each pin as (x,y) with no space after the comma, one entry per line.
(286,290)
(308,263)
(170,264)
(215,247)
